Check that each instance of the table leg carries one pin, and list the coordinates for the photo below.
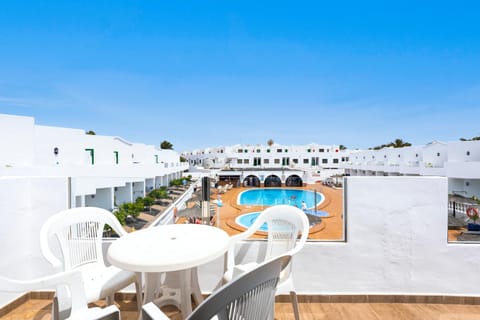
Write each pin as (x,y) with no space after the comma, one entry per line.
(185,282)
(152,282)
(196,292)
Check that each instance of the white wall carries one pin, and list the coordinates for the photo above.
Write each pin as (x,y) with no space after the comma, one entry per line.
(16,141)
(396,240)
(25,204)
(65,139)
(396,244)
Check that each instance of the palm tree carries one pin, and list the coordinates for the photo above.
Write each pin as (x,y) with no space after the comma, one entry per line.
(166,145)
(342,147)
(90,132)
(399,143)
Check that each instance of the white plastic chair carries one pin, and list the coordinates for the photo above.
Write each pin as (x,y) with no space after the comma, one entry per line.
(251,296)
(79,232)
(73,280)
(284,224)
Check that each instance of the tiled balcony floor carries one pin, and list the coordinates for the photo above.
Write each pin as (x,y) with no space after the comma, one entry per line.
(39,309)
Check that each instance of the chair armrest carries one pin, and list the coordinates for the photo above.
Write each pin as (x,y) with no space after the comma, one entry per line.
(151,312)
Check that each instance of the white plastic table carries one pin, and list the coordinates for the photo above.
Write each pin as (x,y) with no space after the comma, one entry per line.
(174,247)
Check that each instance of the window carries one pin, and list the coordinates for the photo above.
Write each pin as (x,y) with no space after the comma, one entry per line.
(279,150)
(309,150)
(285,161)
(438,154)
(245,150)
(468,153)
(268,150)
(324,160)
(246,161)
(257,161)
(240,150)
(321,150)
(286,150)
(258,150)
(276,161)
(295,161)
(240,161)
(335,160)
(305,161)
(314,161)
(266,161)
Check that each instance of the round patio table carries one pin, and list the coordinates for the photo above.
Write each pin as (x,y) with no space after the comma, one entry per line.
(173,247)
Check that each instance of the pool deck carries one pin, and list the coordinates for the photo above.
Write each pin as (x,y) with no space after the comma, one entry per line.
(331,227)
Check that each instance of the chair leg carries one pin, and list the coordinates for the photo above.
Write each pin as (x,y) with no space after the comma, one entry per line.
(293,297)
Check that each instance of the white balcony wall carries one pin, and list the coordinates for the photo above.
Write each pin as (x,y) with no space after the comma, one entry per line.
(26,203)
(435,155)
(396,244)
(411,156)
(465,170)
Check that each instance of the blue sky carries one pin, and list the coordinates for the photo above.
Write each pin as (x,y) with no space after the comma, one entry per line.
(210,73)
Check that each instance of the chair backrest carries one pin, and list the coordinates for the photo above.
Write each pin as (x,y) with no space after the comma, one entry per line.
(284,224)
(250,296)
(74,281)
(79,232)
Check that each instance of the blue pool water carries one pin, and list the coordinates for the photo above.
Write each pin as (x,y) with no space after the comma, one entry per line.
(273,196)
(247,219)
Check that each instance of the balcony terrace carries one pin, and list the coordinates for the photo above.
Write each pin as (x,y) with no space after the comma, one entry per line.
(37,306)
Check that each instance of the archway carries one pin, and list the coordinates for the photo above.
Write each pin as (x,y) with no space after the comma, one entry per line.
(273,181)
(251,181)
(294,181)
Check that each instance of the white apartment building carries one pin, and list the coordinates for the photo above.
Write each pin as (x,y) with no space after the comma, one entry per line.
(459,161)
(270,164)
(103,171)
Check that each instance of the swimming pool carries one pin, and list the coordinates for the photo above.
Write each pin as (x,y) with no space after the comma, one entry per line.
(247,219)
(274,196)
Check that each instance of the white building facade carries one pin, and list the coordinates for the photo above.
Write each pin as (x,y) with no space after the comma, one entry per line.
(459,161)
(103,171)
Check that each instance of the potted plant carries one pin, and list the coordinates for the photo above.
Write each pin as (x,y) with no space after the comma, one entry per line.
(473,214)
